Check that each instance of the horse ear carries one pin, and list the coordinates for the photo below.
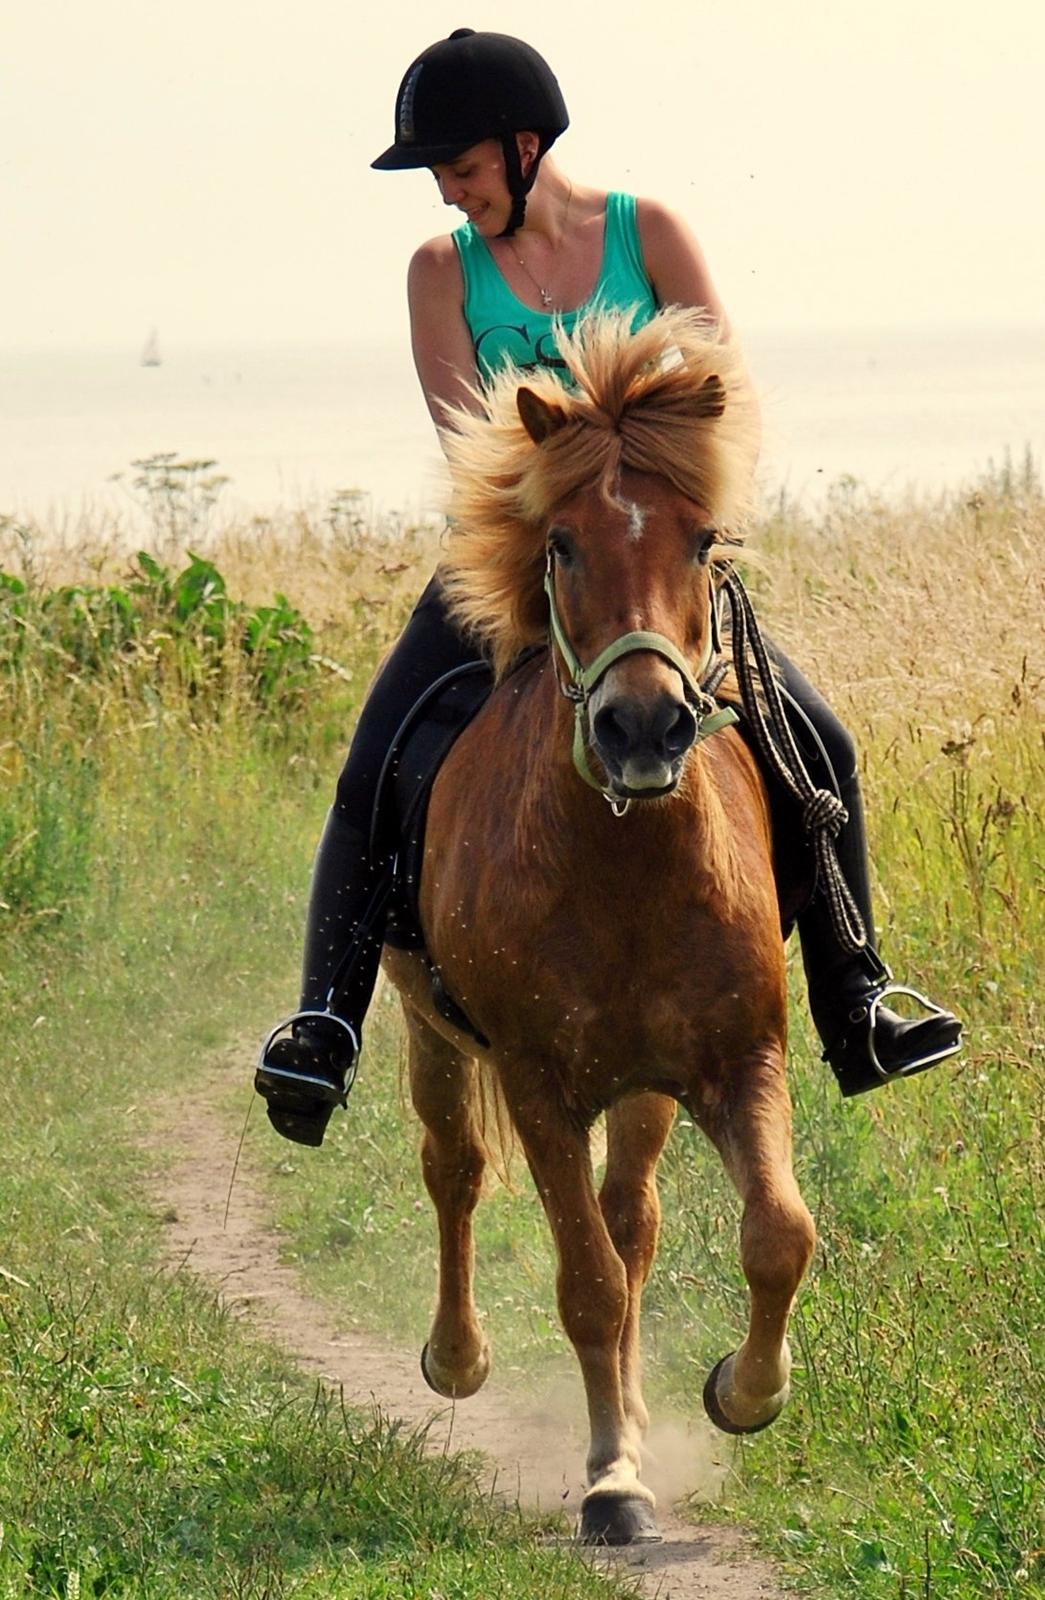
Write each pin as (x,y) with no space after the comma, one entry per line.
(710,398)
(540,418)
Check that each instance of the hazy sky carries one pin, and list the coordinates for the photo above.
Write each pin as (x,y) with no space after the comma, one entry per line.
(203,165)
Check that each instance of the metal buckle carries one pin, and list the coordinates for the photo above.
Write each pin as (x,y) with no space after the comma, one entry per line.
(910,1067)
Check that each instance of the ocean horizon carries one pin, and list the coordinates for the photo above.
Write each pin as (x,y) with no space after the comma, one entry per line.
(898,410)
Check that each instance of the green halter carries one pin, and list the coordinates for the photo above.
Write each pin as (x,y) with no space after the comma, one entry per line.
(584,680)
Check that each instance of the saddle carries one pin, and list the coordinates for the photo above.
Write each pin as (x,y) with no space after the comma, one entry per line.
(397,827)
(421,745)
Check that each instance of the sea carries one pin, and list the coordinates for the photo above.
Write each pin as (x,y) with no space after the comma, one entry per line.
(894,410)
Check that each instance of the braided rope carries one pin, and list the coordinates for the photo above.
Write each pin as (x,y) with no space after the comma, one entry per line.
(823,814)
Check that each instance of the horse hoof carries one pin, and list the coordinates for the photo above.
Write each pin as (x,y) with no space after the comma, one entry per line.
(618,1519)
(713,1407)
(461,1388)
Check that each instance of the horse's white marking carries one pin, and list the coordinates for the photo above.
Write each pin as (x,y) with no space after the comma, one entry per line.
(636,519)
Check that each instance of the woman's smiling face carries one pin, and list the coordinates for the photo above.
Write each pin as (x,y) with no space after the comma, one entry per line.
(475,183)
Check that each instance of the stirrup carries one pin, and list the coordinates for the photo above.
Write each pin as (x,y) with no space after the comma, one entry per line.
(869,1072)
(300,1102)
(322,1087)
(930,1059)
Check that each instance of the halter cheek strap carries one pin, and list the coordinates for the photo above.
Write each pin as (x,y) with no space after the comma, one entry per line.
(583,681)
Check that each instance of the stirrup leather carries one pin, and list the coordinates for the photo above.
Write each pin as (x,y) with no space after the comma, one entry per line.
(324,1087)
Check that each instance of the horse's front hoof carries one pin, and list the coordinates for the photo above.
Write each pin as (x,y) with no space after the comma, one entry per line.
(715,1409)
(618,1519)
(462,1385)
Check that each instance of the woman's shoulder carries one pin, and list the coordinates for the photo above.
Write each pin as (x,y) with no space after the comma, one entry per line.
(675,261)
(435,257)
(662,232)
(658,224)
(434,274)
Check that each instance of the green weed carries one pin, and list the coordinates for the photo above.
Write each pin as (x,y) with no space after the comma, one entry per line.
(160,628)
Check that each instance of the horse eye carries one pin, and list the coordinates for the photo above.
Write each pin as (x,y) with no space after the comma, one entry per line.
(560,548)
(706,541)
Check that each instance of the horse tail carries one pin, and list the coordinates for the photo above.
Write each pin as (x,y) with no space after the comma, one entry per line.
(496,1130)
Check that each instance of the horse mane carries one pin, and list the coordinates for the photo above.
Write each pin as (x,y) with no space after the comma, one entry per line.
(672,399)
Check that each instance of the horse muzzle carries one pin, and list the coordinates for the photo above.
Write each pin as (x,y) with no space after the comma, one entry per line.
(642,741)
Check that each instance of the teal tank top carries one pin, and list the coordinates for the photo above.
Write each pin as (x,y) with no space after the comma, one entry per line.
(505,331)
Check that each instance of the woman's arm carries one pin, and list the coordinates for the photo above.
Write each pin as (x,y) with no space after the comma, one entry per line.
(442,345)
(680,277)
(675,262)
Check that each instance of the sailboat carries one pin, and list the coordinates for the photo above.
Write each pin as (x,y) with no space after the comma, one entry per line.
(151,351)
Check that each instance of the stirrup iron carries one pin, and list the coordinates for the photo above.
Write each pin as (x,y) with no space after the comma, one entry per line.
(853,1055)
(931,1009)
(324,1088)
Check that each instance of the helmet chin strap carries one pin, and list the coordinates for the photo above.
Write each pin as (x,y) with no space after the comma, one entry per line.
(519,183)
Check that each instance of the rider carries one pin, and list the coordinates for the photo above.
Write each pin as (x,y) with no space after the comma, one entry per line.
(481,111)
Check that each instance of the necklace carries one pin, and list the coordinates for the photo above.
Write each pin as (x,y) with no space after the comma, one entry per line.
(547,298)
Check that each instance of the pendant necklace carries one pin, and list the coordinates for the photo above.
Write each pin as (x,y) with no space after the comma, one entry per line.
(547,298)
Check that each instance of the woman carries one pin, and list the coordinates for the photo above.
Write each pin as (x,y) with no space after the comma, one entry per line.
(481,111)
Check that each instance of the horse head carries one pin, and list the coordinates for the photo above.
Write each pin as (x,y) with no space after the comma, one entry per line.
(631,597)
(600,511)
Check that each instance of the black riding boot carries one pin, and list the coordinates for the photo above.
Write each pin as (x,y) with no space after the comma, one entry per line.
(866,1043)
(308,1063)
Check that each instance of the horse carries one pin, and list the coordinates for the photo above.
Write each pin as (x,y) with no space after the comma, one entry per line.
(623,958)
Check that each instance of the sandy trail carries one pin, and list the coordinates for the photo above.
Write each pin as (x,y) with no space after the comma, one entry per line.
(536,1451)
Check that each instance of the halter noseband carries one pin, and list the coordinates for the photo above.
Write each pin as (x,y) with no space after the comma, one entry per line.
(583,681)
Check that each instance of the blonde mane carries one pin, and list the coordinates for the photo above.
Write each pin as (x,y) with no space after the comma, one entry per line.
(672,399)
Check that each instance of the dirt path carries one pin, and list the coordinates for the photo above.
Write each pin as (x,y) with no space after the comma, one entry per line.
(537,1457)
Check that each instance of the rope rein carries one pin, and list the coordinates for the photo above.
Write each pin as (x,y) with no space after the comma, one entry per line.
(823,814)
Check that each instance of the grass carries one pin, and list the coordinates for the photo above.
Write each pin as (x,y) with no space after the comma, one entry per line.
(154,842)
(171,887)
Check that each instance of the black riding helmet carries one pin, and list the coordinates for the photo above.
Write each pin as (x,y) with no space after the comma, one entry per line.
(471,87)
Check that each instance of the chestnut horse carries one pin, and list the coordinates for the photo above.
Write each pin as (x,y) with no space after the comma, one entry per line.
(615,963)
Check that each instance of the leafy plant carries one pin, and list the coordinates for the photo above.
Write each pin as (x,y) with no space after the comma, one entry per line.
(181,624)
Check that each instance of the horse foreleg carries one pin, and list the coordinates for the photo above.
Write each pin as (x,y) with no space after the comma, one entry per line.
(445,1091)
(593,1305)
(636,1130)
(747,1390)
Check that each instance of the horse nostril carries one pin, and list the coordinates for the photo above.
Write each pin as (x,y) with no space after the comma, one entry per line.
(631,729)
(680,731)
(614,731)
